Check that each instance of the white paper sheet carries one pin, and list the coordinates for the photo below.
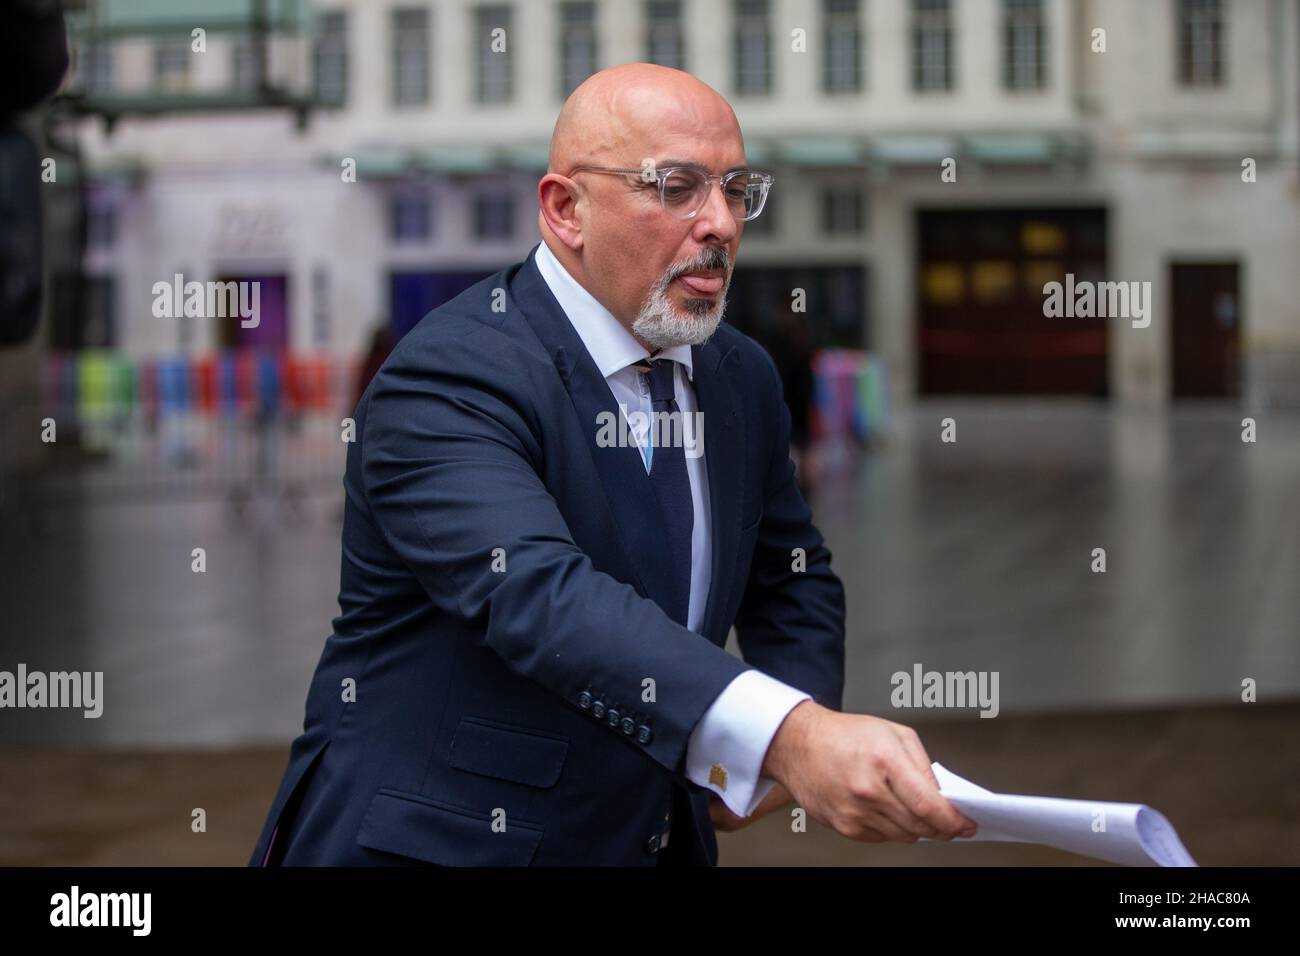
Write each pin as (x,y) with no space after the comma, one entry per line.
(1128,833)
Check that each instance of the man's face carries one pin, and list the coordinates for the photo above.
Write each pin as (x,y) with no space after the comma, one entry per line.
(665,277)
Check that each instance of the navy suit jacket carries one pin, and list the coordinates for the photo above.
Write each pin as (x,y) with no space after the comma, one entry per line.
(477,706)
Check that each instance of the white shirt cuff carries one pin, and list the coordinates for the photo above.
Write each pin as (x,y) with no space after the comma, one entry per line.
(726,749)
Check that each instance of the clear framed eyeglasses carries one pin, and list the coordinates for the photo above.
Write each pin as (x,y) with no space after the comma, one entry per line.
(683,190)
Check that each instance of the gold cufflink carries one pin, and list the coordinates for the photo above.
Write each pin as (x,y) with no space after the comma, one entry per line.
(718,775)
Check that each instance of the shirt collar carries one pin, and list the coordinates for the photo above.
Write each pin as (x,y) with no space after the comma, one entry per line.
(611,346)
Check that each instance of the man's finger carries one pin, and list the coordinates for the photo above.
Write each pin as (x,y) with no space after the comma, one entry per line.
(916,753)
(890,807)
(920,759)
(920,794)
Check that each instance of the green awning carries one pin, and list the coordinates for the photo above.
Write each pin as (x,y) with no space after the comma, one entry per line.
(462,160)
(116,18)
(377,163)
(160,101)
(1011,148)
(119,171)
(912,150)
(822,152)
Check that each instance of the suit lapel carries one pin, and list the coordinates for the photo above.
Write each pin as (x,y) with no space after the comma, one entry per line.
(622,469)
(715,392)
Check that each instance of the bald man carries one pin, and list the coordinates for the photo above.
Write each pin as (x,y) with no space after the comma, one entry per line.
(568,484)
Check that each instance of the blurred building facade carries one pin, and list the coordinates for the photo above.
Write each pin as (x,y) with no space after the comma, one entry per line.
(936,164)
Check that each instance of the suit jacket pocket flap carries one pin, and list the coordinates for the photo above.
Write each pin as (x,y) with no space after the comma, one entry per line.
(413,825)
(496,750)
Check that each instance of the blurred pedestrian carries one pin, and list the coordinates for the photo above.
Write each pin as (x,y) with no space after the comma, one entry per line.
(791,347)
(381,344)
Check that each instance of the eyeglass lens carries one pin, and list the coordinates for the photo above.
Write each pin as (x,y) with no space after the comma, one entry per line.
(685,191)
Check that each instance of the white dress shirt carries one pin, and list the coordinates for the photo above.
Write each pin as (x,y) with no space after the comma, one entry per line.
(734,733)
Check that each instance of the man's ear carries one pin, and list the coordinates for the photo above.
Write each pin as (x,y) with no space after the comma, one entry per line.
(557,200)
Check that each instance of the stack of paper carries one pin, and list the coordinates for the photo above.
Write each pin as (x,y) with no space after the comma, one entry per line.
(1128,833)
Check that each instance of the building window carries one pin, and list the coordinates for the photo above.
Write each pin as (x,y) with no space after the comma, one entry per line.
(494,216)
(577,45)
(99,327)
(95,69)
(664,41)
(410,216)
(842,211)
(836,305)
(1200,42)
(101,224)
(331,58)
(410,56)
(171,66)
(244,66)
(185,325)
(1025,38)
(320,306)
(842,65)
(931,45)
(753,47)
(493,79)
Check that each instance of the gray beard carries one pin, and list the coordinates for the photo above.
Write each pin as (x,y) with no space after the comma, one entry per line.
(661,326)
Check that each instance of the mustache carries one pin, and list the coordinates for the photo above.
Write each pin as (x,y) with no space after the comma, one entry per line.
(714,257)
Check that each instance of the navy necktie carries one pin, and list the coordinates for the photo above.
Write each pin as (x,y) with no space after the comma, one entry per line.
(671,482)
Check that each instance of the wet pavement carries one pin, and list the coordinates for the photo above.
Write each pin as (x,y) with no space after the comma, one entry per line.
(972,555)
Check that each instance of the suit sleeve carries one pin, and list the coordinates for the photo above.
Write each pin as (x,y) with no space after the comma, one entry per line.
(790,624)
(450,447)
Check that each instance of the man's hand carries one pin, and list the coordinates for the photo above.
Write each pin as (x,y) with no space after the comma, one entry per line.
(867,778)
(724,820)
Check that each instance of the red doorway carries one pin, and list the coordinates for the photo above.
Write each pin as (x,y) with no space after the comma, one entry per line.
(1206,319)
(981,328)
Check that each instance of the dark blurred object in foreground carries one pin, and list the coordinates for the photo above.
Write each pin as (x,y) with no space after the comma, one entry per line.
(33,59)
(20,237)
(33,53)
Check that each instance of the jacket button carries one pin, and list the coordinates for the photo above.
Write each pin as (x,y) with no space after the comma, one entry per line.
(628,726)
(643,734)
(584,700)
(652,845)
(614,716)
(598,709)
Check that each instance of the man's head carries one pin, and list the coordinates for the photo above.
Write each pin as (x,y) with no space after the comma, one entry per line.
(664,278)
